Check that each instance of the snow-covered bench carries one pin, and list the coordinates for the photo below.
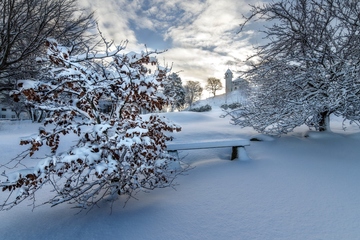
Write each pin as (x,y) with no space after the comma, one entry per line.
(238,146)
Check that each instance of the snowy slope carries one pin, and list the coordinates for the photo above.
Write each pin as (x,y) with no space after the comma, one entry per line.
(294,187)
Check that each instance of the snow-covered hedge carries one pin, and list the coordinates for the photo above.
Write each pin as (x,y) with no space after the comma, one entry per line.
(205,108)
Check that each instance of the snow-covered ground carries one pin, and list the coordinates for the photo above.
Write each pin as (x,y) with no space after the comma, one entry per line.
(294,187)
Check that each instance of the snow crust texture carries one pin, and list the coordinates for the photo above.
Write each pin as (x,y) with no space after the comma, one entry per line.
(294,187)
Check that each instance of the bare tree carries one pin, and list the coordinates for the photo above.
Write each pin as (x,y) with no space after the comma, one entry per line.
(213,85)
(24,27)
(308,69)
(116,152)
(193,91)
(17,107)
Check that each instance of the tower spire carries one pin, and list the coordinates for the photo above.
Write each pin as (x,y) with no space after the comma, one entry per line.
(228,81)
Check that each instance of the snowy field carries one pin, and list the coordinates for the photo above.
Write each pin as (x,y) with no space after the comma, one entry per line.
(294,187)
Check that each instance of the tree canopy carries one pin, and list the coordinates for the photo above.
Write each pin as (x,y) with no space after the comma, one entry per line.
(307,70)
(193,91)
(213,85)
(24,27)
(173,88)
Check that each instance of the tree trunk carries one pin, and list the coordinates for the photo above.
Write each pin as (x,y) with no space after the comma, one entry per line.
(324,121)
(40,116)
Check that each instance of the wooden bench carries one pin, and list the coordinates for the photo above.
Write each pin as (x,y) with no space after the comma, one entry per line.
(238,147)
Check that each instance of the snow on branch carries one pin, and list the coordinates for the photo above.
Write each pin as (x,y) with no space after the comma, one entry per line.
(308,68)
(97,100)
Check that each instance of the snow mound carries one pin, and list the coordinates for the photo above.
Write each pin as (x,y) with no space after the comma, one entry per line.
(322,135)
(354,136)
(261,138)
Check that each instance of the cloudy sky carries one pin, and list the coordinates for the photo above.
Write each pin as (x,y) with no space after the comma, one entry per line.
(200,36)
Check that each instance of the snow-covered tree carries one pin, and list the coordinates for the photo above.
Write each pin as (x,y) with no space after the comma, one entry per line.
(173,88)
(24,27)
(193,91)
(213,85)
(243,86)
(308,69)
(110,153)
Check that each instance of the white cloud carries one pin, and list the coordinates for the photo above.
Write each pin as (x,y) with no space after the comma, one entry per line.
(201,35)
(214,31)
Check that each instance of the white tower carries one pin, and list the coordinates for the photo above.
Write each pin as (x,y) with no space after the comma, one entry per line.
(228,81)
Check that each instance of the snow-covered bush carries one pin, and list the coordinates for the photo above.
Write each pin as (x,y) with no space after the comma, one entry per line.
(114,152)
(205,108)
(231,106)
